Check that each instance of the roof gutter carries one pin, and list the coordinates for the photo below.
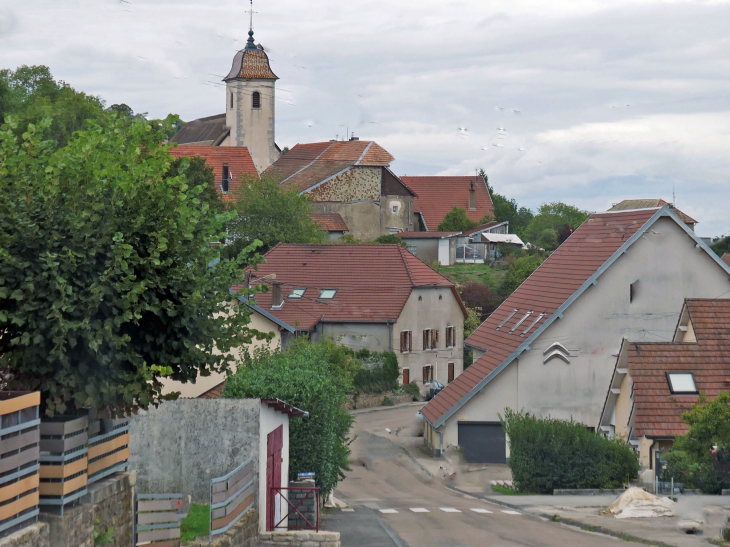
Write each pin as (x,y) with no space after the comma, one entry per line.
(525,346)
(263,312)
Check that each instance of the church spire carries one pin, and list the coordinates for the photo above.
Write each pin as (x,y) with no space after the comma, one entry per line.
(249,42)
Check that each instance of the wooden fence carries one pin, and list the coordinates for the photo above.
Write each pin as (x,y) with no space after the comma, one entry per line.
(19,454)
(231,497)
(157,520)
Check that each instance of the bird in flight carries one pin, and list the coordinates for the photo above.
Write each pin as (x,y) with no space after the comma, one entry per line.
(501,129)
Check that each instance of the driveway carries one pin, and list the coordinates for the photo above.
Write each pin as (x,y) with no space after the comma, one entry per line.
(395,500)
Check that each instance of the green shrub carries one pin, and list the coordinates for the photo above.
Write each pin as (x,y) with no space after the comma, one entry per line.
(412,390)
(390,238)
(377,372)
(546,453)
(387,401)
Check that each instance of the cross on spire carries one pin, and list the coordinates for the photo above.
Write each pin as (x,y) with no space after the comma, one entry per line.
(251,12)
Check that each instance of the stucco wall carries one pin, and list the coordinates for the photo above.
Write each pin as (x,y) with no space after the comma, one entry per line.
(372,336)
(623,409)
(270,420)
(181,445)
(427,249)
(361,217)
(357,183)
(431,313)
(402,220)
(668,268)
(253,128)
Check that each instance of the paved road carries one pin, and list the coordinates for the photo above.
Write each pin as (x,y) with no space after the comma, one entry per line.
(395,502)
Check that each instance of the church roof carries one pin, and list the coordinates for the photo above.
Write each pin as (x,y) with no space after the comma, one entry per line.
(208,131)
(251,63)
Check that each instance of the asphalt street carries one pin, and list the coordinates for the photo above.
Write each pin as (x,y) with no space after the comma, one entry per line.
(394,501)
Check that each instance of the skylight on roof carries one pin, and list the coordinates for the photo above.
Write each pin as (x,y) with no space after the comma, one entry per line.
(510,316)
(517,325)
(327,294)
(681,382)
(297,294)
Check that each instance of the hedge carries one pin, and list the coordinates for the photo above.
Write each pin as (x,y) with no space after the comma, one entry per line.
(546,454)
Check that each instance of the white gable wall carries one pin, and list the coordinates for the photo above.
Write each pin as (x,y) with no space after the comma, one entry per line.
(668,267)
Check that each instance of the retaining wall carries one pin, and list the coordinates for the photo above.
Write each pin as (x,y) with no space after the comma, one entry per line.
(299,539)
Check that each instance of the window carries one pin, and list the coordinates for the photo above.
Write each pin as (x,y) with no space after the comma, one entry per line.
(450,338)
(297,294)
(406,341)
(392,231)
(450,377)
(413,250)
(231,101)
(427,374)
(256,99)
(406,376)
(226,176)
(395,209)
(682,383)
(632,290)
(426,339)
(327,294)
(434,339)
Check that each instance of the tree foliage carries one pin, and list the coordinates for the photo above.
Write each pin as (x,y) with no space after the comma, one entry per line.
(691,458)
(721,246)
(376,371)
(519,270)
(508,209)
(456,221)
(104,277)
(553,224)
(197,173)
(271,214)
(546,454)
(478,295)
(390,239)
(473,320)
(316,378)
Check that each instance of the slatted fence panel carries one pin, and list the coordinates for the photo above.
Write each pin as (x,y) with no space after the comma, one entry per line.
(231,497)
(157,520)
(108,449)
(19,460)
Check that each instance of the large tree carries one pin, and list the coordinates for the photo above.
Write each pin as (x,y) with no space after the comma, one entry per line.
(271,214)
(105,284)
(456,221)
(508,209)
(553,224)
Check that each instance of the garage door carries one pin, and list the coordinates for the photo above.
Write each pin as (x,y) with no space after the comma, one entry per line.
(482,442)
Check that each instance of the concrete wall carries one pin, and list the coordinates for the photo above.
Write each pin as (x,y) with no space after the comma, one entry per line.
(372,336)
(270,420)
(427,249)
(402,219)
(669,269)
(436,309)
(253,128)
(361,217)
(181,445)
(300,539)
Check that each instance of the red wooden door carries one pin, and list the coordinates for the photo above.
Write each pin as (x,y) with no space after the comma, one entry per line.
(274,446)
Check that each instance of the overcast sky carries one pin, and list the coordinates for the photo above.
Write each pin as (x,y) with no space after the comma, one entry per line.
(599,100)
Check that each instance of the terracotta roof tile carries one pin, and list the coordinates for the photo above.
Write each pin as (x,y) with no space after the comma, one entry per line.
(331,222)
(251,64)
(438,195)
(373,282)
(629,204)
(237,158)
(726,258)
(209,131)
(558,278)
(425,235)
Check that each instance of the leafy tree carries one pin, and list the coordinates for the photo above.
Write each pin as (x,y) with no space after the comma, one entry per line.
(478,296)
(472,322)
(197,173)
(315,377)
(691,458)
(31,94)
(519,270)
(377,371)
(553,224)
(721,246)
(389,239)
(271,214)
(456,221)
(169,126)
(507,209)
(104,278)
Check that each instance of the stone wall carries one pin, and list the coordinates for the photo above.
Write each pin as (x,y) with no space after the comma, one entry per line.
(305,502)
(355,184)
(245,533)
(299,539)
(370,400)
(181,445)
(35,535)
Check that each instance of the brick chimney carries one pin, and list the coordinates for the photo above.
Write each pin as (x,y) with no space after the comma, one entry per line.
(277,296)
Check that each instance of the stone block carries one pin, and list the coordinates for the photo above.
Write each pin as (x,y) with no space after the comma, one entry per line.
(35,535)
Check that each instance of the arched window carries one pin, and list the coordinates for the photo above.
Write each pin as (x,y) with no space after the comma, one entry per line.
(256,99)
(231,101)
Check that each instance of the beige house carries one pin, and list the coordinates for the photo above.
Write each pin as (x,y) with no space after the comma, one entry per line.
(551,347)
(654,383)
(375,297)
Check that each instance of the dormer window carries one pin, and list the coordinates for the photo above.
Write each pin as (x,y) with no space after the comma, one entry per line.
(682,383)
(327,294)
(297,294)
(226,178)
(256,99)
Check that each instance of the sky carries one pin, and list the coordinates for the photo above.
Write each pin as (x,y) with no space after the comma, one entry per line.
(583,101)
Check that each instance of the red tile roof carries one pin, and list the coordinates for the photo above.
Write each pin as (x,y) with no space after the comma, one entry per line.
(438,195)
(425,235)
(373,282)
(629,204)
(331,222)
(237,158)
(548,288)
(658,413)
(483,227)
(308,164)
(726,258)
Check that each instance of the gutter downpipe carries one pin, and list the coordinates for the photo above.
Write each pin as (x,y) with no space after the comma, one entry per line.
(390,335)
(441,438)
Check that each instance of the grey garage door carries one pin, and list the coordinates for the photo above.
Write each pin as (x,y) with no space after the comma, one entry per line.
(482,442)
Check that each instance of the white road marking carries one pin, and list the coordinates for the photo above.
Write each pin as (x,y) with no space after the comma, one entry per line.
(507,512)
(480,510)
(420,510)
(467,496)
(449,510)
(348,509)
(388,511)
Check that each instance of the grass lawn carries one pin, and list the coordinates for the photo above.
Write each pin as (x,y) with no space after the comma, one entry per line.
(196,524)
(507,491)
(491,276)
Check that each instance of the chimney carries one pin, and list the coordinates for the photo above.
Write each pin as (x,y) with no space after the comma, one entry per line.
(247,280)
(472,198)
(277,296)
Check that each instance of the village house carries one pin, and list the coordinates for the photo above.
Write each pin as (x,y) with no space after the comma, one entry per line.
(332,223)
(653,383)
(375,297)
(630,204)
(550,348)
(437,195)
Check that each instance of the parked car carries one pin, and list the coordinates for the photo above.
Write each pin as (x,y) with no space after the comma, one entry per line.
(433,388)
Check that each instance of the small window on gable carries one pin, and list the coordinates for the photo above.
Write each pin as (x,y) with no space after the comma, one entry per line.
(327,294)
(297,294)
(395,209)
(682,383)
(226,178)
(256,99)
(632,290)
(231,101)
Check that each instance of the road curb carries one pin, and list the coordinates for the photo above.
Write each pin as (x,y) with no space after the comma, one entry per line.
(357,411)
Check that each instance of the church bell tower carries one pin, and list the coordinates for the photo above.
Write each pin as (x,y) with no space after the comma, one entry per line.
(250,108)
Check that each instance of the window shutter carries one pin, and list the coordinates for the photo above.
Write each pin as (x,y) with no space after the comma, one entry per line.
(451,373)
(410,340)
(435,340)
(425,339)
(425,374)
(402,342)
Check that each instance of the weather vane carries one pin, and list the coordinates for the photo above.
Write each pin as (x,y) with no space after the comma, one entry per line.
(251,12)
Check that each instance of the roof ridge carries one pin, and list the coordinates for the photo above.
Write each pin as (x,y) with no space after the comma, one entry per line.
(364,152)
(309,164)
(405,264)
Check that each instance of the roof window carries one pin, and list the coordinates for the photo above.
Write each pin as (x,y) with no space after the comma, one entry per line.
(297,294)
(682,383)
(510,316)
(327,294)
(534,322)
(517,325)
